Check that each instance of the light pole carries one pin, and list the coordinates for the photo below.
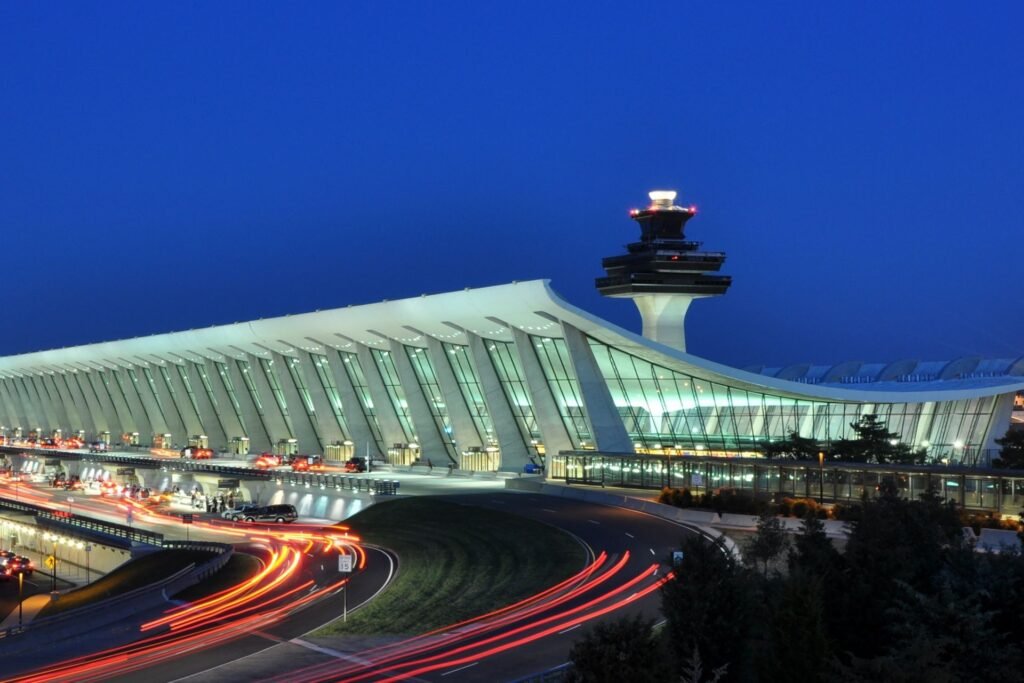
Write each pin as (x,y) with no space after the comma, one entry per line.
(21,587)
(821,477)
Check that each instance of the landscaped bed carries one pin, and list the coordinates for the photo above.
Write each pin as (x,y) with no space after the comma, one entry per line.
(455,562)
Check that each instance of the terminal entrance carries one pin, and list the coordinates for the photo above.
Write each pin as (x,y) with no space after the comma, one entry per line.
(340,451)
(161,441)
(130,438)
(476,459)
(403,453)
(199,441)
(286,447)
(239,445)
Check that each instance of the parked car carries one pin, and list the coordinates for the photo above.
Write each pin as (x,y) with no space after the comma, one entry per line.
(238,512)
(270,513)
(356,464)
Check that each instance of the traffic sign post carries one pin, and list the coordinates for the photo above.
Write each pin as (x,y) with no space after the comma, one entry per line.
(345,564)
(186,519)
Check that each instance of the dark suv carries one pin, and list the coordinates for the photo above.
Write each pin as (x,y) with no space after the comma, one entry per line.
(271,513)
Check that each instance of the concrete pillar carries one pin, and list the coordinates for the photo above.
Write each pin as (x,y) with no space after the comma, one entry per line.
(273,418)
(105,403)
(140,417)
(327,422)
(305,431)
(32,410)
(353,409)
(58,383)
(208,413)
(180,395)
(225,409)
(387,418)
(80,391)
(175,426)
(514,452)
(259,434)
(607,427)
(42,400)
(552,427)
(663,316)
(466,433)
(432,443)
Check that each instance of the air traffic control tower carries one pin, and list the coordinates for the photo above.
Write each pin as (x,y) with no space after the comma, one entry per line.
(663,272)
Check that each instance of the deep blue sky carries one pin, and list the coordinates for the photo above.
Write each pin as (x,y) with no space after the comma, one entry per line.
(172,166)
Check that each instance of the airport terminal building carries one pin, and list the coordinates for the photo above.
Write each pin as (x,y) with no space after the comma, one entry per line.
(496,378)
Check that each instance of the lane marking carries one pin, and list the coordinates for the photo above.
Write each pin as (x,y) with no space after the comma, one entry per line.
(571,628)
(630,535)
(459,669)
(337,654)
(594,522)
(652,551)
(549,510)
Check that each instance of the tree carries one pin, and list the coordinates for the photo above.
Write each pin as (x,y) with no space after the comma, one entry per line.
(768,542)
(626,649)
(1011,451)
(813,553)
(875,443)
(796,646)
(709,609)
(793,446)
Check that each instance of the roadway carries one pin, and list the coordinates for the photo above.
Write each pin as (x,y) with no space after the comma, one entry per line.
(630,551)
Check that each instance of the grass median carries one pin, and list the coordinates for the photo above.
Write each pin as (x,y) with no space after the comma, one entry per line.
(455,562)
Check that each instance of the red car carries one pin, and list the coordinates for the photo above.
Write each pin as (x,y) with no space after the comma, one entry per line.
(268,460)
(306,463)
(197,453)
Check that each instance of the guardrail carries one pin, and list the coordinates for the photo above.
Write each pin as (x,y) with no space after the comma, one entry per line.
(339,482)
(72,522)
(138,600)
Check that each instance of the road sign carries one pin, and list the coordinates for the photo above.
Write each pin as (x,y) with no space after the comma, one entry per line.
(345,564)
(186,518)
(50,562)
(677,557)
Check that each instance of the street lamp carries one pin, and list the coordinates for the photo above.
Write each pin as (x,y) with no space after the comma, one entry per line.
(821,477)
(21,588)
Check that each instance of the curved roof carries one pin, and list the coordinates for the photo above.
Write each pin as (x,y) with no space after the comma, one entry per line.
(534,308)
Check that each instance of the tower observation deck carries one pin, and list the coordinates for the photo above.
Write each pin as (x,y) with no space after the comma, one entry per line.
(664,272)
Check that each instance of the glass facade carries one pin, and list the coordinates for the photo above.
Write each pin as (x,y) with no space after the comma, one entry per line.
(393,385)
(424,369)
(275,388)
(503,356)
(667,410)
(469,385)
(323,372)
(557,366)
(354,370)
(229,389)
(307,401)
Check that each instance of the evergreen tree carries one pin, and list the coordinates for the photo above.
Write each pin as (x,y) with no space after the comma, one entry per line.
(1011,452)
(795,646)
(709,609)
(626,649)
(768,542)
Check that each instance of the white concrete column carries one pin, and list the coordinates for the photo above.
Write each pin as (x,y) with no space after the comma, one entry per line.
(514,451)
(122,409)
(81,390)
(305,431)
(15,405)
(273,418)
(259,434)
(466,433)
(59,385)
(663,317)
(43,401)
(225,409)
(432,443)
(554,434)
(189,415)
(208,414)
(7,413)
(157,420)
(140,417)
(606,424)
(105,403)
(172,416)
(32,410)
